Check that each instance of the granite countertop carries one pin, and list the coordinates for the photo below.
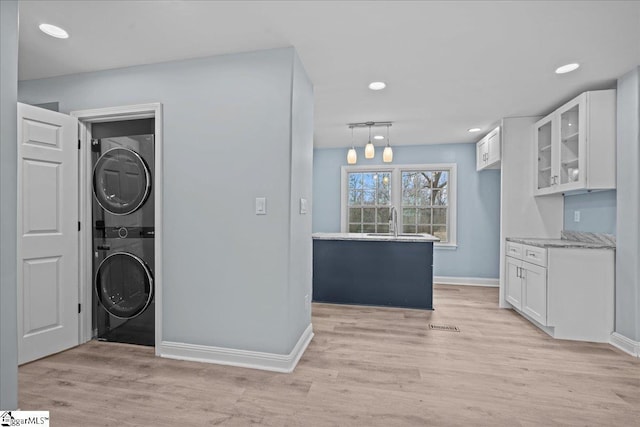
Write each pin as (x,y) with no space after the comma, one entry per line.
(561,243)
(378,237)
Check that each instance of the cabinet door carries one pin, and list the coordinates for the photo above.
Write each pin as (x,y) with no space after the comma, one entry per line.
(493,147)
(571,152)
(544,179)
(513,282)
(481,154)
(534,301)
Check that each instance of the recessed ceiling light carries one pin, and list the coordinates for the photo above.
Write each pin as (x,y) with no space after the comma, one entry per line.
(378,137)
(377,85)
(54,31)
(474,130)
(567,68)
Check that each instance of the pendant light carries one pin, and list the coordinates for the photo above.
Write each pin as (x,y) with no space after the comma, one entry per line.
(387,154)
(369,150)
(352,156)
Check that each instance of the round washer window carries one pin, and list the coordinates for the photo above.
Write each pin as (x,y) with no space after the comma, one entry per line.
(121,181)
(124,285)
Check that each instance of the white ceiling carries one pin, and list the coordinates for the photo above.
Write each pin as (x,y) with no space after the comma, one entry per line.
(449,65)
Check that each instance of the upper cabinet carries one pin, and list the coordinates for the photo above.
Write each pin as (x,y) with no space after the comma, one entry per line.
(575,146)
(488,151)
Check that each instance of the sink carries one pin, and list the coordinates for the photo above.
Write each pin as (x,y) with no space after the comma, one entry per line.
(391,235)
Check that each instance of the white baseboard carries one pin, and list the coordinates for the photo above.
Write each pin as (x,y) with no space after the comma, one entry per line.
(625,344)
(467,281)
(234,357)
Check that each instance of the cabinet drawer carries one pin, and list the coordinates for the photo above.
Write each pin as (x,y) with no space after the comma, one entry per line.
(534,255)
(514,250)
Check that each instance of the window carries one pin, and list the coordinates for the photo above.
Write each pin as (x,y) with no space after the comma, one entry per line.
(369,202)
(423,194)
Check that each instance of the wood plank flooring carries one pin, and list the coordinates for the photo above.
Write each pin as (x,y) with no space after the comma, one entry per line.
(365,367)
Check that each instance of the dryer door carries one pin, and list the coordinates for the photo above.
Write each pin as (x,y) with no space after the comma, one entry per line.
(124,285)
(121,181)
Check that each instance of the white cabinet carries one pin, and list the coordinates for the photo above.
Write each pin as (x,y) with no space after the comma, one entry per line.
(567,292)
(488,151)
(575,146)
(526,284)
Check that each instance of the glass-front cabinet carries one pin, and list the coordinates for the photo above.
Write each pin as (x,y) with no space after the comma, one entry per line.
(543,146)
(563,139)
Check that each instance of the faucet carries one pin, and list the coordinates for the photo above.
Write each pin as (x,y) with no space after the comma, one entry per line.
(394,220)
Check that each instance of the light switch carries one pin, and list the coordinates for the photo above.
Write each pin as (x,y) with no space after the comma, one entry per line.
(303,206)
(576,216)
(261,205)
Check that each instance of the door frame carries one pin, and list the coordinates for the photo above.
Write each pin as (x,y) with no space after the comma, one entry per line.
(85,119)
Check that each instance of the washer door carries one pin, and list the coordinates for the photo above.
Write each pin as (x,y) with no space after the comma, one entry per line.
(121,181)
(124,285)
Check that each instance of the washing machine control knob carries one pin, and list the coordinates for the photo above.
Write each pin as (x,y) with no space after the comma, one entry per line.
(123,232)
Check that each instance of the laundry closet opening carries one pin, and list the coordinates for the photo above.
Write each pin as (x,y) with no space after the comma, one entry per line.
(122,231)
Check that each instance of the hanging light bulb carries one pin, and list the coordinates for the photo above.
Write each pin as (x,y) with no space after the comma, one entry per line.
(387,154)
(369,150)
(352,156)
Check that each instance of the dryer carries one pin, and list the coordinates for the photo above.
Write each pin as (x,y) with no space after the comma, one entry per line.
(123,238)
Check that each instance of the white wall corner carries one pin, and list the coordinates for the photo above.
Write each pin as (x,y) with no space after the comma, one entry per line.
(625,344)
(466,281)
(243,358)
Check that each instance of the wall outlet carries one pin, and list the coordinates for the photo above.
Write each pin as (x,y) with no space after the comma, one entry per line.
(307,302)
(303,206)
(576,216)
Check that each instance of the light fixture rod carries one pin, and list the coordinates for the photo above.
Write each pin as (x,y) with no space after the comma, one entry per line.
(369,124)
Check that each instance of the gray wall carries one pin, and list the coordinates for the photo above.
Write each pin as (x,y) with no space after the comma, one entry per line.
(8,184)
(628,212)
(227,140)
(300,265)
(597,212)
(478,232)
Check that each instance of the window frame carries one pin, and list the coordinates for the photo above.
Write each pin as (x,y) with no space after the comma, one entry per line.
(396,193)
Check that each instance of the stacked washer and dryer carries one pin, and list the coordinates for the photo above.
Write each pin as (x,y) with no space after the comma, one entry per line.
(123,231)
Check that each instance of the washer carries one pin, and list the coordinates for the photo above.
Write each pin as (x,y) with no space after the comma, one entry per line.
(123,238)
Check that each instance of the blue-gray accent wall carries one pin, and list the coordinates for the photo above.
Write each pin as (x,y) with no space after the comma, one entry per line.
(478,203)
(230,135)
(597,212)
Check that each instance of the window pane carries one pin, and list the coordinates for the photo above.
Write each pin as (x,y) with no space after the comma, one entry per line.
(355,181)
(408,216)
(382,228)
(424,198)
(437,198)
(424,216)
(368,197)
(368,228)
(355,197)
(443,179)
(424,229)
(440,231)
(423,180)
(355,228)
(408,228)
(355,215)
(439,215)
(369,215)
(369,180)
(383,215)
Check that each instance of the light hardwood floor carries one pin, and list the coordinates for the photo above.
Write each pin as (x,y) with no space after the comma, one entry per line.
(365,367)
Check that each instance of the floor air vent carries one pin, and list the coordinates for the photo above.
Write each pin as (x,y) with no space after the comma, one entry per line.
(444,328)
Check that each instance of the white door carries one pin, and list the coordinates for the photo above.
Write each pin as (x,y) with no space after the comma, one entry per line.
(47,232)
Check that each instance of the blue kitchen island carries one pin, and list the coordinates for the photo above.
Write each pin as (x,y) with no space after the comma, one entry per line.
(373,269)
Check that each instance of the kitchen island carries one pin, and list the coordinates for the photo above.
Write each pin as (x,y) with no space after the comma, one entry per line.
(373,269)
